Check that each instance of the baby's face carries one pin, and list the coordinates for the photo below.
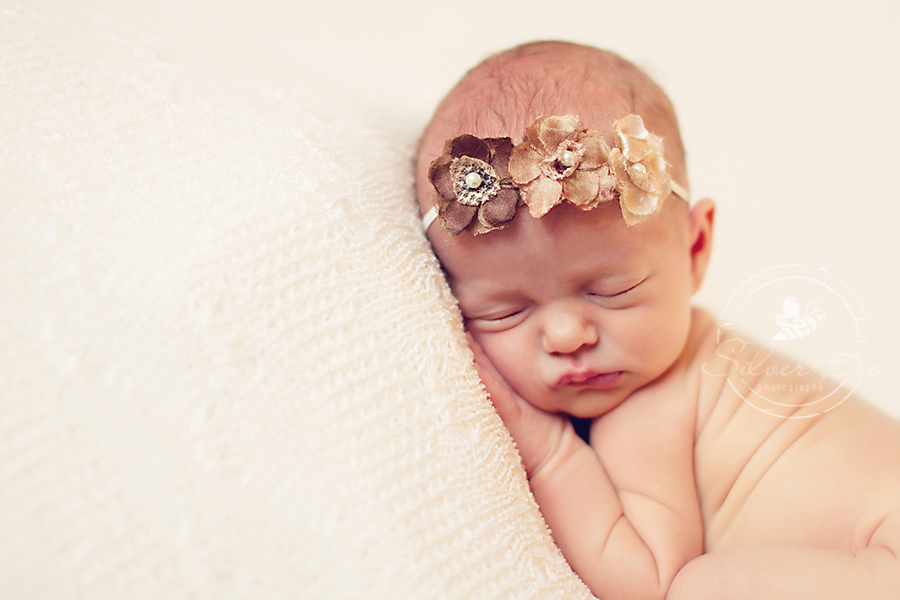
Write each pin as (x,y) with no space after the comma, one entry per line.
(576,310)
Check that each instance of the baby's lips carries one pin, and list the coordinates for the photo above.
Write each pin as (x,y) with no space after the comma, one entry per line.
(575,377)
(591,379)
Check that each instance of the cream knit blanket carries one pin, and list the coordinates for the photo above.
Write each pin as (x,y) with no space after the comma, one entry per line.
(229,364)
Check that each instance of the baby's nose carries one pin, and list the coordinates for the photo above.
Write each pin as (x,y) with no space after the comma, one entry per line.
(566,330)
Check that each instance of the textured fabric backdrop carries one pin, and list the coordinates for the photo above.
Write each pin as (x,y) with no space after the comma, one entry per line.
(229,364)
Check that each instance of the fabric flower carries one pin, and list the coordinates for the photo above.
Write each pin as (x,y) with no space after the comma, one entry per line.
(561,160)
(639,169)
(474,189)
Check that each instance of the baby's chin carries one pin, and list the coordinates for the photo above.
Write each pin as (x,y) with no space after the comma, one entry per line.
(585,403)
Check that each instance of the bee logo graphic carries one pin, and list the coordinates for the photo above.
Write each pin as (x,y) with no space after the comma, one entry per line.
(793,326)
(835,349)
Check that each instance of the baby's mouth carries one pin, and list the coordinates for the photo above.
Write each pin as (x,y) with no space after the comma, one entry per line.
(590,379)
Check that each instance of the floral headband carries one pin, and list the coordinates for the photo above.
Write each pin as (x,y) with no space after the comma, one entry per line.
(481,182)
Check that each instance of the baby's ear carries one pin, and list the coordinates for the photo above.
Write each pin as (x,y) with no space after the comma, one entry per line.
(702,215)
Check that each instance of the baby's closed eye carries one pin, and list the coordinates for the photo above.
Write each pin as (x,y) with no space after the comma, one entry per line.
(496,319)
(614,293)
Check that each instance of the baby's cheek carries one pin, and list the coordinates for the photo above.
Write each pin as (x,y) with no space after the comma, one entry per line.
(655,336)
(672,329)
(510,356)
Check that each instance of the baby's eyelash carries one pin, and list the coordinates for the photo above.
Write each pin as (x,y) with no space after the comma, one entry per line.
(503,316)
(622,293)
(500,321)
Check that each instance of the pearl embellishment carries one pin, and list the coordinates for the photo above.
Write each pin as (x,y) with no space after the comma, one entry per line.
(473,181)
(567,158)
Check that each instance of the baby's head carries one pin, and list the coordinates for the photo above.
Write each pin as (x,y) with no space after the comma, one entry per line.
(583,296)
(505,94)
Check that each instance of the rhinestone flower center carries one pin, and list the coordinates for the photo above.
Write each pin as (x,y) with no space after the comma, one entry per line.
(474,181)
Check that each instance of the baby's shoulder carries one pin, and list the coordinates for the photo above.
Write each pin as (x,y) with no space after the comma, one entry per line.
(732,374)
(749,390)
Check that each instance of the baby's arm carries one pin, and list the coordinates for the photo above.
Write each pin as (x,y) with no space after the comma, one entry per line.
(625,531)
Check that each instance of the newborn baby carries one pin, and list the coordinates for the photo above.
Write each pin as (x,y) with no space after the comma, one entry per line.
(554,189)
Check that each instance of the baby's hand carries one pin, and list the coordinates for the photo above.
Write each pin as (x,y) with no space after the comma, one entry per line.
(536,432)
